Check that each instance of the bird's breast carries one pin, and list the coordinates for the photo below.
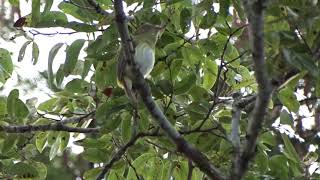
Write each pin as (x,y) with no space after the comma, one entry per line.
(144,57)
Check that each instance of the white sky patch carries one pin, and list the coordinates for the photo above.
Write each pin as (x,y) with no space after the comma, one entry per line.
(76,149)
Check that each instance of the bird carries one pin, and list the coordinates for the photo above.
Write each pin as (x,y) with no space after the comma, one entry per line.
(144,42)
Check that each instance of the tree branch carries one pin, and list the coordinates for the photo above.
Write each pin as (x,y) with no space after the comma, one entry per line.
(222,65)
(236,115)
(183,146)
(48,127)
(58,126)
(77,119)
(117,155)
(254,11)
(97,8)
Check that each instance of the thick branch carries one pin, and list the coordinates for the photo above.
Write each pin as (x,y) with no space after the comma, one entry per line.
(183,146)
(58,126)
(254,11)
(235,121)
(47,127)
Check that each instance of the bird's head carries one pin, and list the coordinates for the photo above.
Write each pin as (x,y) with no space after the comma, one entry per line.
(149,33)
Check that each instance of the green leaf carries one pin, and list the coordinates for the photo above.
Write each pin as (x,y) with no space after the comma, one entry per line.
(82,13)
(86,68)
(41,168)
(206,143)
(210,71)
(77,86)
(231,54)
(155,169)
(239,9)
(78,70)
(60,75)
(185,20)
(74,11)
(52,54)
(185,85)
(23,170)
(159,68)
(251,82)
(41,139)
(48,105)
(318,87)
(286,118)
(191,55)
(6,66)
(198,107)
(64,140)
(14,3)
(175,66)
(20,110)
(100,143)
(108,40)
(106,74)
(301,61)
(267,138)
(291,153)
(47,6)
(199,93)
(107,109)
(278,165)
(144,120)
(52,19)
(95,155)
(180,171)
(224,8)
(126,127)
(72,54)
(148,3)
(35,13)
(293,80)
(23,50)
(262,161)
(92,173)
(208,20)
(15,107)
(9,142)
(52,137)
(165,86)
(81,27)
(171,2)
(139,163)
(172,47)
(289,99)
(35,53)
(54,150)
(3,106)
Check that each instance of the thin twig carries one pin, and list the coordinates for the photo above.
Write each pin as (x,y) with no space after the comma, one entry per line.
(160,147)
(222,65)
(134,168)
(190,170)
(36,32)
(117,155)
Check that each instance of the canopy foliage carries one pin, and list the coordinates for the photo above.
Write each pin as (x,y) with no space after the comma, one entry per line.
(203,76)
